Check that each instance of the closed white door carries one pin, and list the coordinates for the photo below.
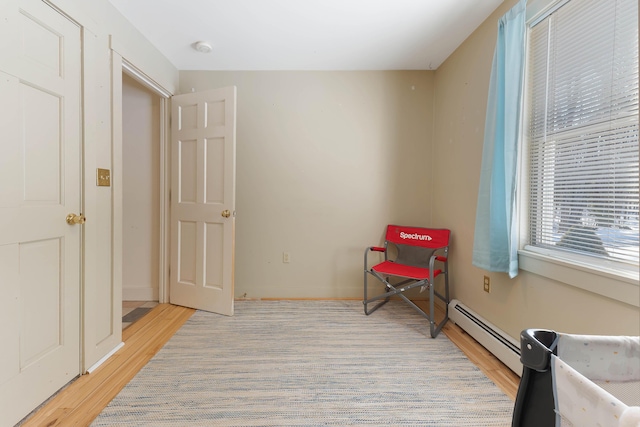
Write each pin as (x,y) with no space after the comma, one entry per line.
(40,163)
(203,199)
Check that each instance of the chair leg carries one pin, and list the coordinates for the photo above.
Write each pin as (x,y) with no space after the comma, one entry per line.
(366,300)
(436,327)
(432,306)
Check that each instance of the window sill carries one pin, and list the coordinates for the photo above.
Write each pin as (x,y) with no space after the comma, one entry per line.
(600,279)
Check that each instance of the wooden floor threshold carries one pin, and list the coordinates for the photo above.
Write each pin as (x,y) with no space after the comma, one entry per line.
(83,400)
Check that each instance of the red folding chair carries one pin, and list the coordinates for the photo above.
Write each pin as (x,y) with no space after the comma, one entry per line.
(418,250)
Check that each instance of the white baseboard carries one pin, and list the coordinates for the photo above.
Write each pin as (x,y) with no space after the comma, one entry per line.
(501,345)
(139,294)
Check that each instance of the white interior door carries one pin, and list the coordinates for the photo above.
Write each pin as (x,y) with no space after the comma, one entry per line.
(203,199)
(40,162)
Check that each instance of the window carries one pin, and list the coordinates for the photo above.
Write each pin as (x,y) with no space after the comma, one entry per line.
(581,129)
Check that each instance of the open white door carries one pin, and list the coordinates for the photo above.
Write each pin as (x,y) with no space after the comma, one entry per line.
(40,182)
(203,141)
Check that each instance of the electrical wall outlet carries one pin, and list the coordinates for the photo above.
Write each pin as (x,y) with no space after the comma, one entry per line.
(487,284)
(286,258)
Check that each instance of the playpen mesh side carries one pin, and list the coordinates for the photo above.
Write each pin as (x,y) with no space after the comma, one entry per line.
(582,366)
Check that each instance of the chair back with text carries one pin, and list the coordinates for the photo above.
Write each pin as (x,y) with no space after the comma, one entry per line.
(415,245)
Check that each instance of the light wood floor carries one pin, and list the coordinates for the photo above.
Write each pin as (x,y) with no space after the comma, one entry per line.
(81,402)
(490,365)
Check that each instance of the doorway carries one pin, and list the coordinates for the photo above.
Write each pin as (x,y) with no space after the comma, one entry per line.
(216,121)
(141,179)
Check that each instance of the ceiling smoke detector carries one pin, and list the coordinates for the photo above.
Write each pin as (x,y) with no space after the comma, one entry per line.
(202,47)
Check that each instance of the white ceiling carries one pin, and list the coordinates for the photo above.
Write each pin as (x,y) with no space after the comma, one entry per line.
(307,34)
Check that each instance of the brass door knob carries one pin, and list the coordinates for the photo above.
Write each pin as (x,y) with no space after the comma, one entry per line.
(73,219)
(226,213)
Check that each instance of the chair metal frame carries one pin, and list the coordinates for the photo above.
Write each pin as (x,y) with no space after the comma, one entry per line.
(426,280)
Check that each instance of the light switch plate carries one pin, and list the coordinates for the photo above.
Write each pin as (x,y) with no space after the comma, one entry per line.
(103,178)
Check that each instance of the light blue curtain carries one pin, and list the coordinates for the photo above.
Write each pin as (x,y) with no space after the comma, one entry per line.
(495,242)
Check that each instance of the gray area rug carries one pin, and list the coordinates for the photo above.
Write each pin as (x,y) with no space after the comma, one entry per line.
(309,363)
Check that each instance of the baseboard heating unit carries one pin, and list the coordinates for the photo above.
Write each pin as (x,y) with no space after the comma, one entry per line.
(493,339)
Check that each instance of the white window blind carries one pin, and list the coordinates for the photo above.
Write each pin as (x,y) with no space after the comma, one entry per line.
(582,96)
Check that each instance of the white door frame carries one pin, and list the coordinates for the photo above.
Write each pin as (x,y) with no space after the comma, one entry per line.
(165,167)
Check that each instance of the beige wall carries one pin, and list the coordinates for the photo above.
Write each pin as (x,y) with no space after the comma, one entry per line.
(141,192)
(324,161)
(529,300)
